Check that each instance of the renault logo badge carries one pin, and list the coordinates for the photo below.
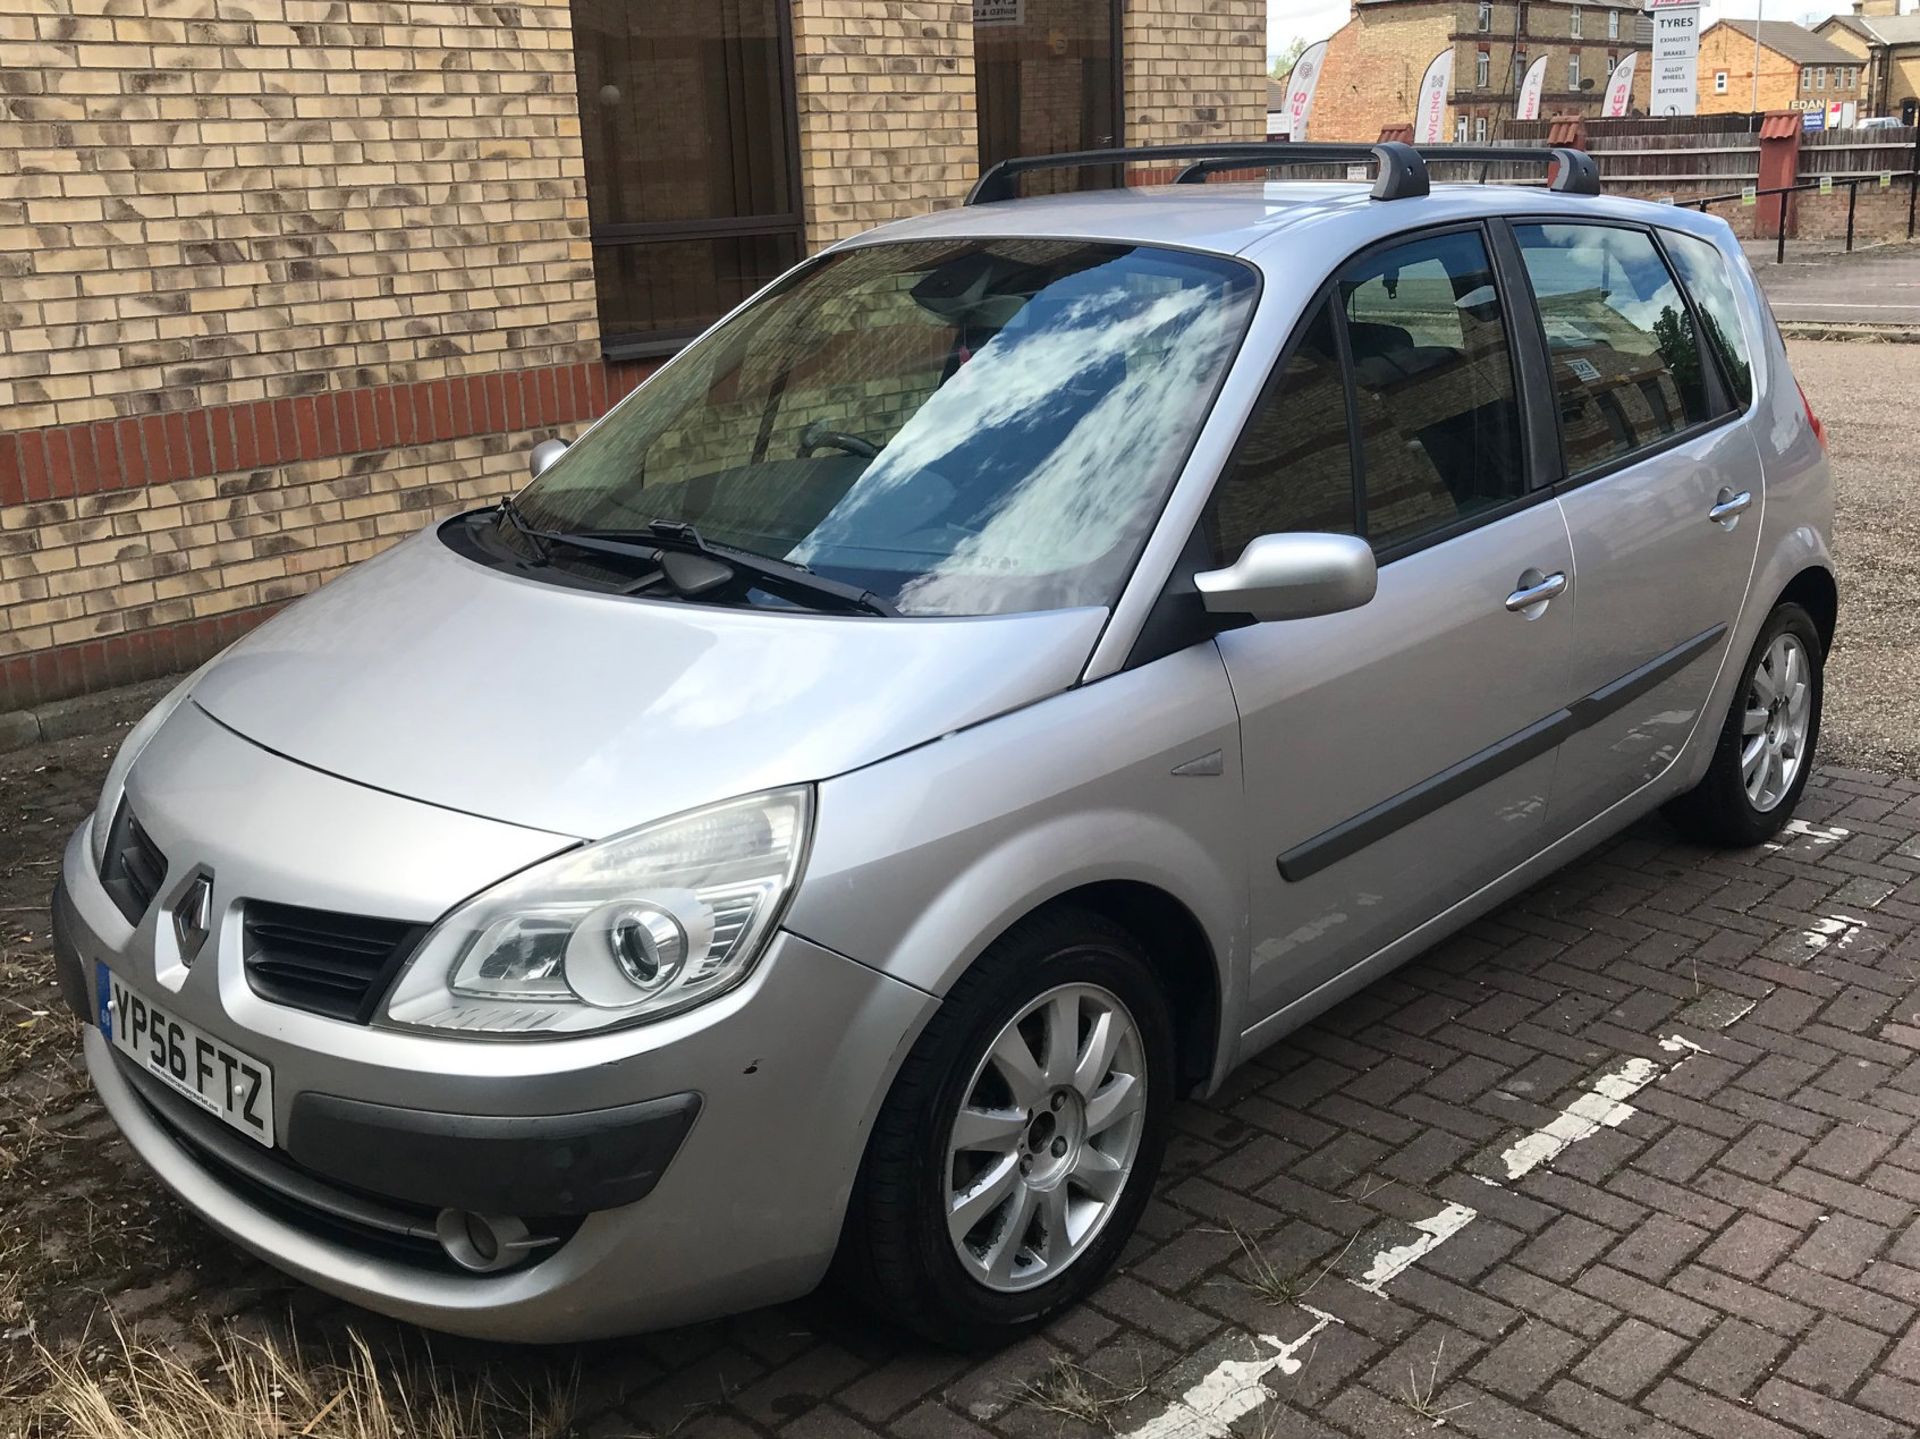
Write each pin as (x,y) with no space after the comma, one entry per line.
(193,917)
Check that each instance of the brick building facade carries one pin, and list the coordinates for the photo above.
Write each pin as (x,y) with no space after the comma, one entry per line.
(1795,68)
(1376,60)
(1887,45)
(276,291)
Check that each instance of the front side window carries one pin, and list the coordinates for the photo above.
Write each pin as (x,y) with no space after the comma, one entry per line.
(1573,71)
(1479,129)
(1704,272)
(1293,468)
(1433,386)
(1626,367)
(1573,23)
(1613,24)
(1482,69)
(1719,82)
(955,426)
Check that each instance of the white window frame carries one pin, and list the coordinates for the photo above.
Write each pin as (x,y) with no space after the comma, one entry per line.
(1460,130)
(1485,21)
(1479,129)
(1574,23)
(1820,78)
(1482,69)
(1719,82)
(1573,69)
(1613,24)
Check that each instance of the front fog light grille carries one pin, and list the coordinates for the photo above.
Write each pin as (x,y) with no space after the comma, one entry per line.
(337,965)
(134,867)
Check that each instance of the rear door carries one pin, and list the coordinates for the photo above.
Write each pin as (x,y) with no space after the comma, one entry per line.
(1397,756)
(1661,490)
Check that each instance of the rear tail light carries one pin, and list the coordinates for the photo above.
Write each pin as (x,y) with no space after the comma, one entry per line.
(1819,430)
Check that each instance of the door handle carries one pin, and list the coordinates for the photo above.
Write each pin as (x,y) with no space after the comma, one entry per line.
(1536,589)
(1727,505)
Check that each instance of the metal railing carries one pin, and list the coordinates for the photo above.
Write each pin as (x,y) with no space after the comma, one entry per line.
(1824,184)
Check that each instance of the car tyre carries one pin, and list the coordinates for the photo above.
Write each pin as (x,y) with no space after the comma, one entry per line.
(1765,751)
(967,1280)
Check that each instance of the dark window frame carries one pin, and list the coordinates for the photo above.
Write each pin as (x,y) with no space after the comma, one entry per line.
(1728,394)
(1117,86)
(1722,410)
(653,344)
(1534,488)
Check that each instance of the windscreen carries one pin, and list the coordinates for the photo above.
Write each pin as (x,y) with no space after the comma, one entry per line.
(958,426)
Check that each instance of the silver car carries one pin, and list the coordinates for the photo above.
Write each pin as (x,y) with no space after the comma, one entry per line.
(1020,664)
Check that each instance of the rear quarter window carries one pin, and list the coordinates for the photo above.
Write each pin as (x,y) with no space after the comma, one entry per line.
(1703,270)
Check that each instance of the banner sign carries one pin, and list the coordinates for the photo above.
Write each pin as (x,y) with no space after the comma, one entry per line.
(1528,106)
(1430,120)
(1676,58)
(998,12)
(1620,88)
(1301,84)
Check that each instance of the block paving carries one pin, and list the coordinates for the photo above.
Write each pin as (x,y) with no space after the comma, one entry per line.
(1730,1250)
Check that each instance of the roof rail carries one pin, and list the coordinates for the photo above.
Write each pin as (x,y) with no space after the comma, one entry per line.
(1402,174)
(1401,169)
(1573,171)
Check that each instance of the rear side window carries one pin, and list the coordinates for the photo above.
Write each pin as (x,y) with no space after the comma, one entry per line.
(1704,271)
(1626,365)
(1433,386)
(1293,469)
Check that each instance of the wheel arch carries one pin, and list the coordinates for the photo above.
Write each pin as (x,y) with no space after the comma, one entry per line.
(1181,954)
(1815,590)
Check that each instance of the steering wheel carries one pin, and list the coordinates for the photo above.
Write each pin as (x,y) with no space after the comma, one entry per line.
(817,436)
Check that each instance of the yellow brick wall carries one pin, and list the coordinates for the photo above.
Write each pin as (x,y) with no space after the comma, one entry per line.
(1724,48)
(886,98)
(197,210)
(1195,69)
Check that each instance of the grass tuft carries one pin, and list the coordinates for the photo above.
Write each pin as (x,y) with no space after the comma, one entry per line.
(261,1390)
(1068,1390)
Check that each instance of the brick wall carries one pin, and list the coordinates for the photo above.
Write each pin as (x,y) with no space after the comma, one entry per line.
(228,248)
(1194,69)
(1374,65)
(886,96)
(1724,48)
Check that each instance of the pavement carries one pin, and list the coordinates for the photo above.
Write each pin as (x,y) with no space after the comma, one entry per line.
(1878,286)
(1635,1157)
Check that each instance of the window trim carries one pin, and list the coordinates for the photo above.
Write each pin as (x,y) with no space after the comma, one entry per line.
(1727,394)
(1719,398)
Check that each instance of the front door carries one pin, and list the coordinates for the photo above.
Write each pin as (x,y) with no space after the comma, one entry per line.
(1397,756)
(1655,450)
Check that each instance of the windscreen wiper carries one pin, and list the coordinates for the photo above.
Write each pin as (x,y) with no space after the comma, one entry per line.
(713,565)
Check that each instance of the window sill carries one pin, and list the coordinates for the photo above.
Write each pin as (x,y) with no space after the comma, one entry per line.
(642,347)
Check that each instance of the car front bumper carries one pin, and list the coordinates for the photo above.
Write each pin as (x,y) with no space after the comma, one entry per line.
(723,1143)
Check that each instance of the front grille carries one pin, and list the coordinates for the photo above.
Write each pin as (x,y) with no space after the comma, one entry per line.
(325,963)
(134,867)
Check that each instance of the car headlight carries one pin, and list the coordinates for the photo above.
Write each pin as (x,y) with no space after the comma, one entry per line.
(137,739)
(636,927)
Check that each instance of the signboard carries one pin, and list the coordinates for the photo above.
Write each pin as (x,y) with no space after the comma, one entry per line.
(1834,115)
(1430,119)
(1886,179)
(1528,106)
(1826,184)
(1813,120)
(1676,56)
(1749,194)
(1301,83)
(1620,88)
(999,12)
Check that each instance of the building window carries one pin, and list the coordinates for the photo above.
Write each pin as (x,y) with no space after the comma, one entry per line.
(1573,22)
(1820,78)
(687,123)
(1460,130)
(1573,71)
(1486,15)
(1047,79)
(1613,24)
(1806,77)
(1719,82)
(1482,69)
(1479,129)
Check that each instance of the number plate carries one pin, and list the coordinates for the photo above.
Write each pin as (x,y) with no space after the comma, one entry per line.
(212,1073)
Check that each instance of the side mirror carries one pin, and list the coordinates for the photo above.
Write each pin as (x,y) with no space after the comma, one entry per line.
(543,456)
(1292,577)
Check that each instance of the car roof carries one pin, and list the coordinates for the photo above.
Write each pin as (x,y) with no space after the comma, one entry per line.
(1250,218)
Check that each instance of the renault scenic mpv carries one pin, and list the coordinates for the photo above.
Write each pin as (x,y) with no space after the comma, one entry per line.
(1015,667)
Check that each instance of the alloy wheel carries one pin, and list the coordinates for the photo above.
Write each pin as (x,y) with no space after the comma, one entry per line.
(1778,717)
(1045,1138)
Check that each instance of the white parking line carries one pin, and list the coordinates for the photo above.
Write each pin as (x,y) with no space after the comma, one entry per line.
(1434,1232)
(1600,1107)
(1231,1390)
